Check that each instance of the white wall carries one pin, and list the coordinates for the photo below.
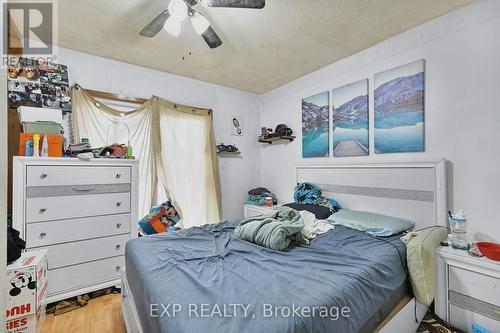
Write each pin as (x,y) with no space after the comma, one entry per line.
(462,111)
(238,175)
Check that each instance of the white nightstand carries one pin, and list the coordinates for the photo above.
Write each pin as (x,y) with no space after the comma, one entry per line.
(468,290)
(253,210)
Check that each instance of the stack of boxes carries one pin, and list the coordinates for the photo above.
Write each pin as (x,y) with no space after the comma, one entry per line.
(26,288)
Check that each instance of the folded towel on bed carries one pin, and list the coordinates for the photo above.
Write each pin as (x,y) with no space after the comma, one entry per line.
(275,230)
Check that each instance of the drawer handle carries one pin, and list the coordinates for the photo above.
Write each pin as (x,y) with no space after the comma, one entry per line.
(83,189)
(118,268)
(118,225)
(43,176)
(118,175)
(43,234)
(42,210)
(118,204)
(118,246)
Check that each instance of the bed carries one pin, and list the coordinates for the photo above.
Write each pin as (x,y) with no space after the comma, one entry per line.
(205,279)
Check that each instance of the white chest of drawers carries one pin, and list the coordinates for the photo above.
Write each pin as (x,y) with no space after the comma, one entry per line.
(83,213)
(468,290)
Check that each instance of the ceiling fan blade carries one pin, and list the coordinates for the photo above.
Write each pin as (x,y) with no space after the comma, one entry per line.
(211,37)
(256,4)
(155,25)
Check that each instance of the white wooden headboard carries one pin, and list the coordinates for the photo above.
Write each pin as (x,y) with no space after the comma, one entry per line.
(415,191)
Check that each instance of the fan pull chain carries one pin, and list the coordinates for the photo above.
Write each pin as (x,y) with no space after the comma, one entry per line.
(187,41)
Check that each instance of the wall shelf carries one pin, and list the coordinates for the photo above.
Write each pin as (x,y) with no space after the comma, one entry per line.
(228,153)
(277,139)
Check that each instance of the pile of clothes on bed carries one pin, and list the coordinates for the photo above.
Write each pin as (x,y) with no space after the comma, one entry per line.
(257,196)
(297,222)
(310,194)
(282,227)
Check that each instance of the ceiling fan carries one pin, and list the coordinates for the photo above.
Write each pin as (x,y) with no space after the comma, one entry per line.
(178,10)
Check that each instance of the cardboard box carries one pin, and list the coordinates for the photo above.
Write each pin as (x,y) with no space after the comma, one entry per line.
(26,284)
(29,324)
(55,142)
(30,114)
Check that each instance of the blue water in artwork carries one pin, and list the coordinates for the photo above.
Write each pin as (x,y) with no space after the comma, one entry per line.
(399,115)
(314,145)
(409,138)
(315,123)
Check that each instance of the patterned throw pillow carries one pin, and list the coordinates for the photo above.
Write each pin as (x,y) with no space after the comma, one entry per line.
(159,219)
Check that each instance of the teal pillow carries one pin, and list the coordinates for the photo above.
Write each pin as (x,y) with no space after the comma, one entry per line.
(371,223)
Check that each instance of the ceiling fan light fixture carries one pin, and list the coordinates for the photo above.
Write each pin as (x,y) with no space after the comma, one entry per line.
(173,27)
(200,23)
(178,10)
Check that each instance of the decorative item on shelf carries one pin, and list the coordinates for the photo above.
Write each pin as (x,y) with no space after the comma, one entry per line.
(265,132)
(282,132)
(227,149)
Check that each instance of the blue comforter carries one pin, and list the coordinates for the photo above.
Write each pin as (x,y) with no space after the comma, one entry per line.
(204,279)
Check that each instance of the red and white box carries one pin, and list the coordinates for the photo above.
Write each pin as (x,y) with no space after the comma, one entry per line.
(29,324)
(26,285)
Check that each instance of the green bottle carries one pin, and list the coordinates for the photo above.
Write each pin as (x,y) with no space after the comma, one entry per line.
(129,150)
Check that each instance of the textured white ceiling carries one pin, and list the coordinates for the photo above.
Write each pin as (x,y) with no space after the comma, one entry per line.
(262,49)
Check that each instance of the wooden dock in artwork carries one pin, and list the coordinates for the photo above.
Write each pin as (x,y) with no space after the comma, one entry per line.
(350,148)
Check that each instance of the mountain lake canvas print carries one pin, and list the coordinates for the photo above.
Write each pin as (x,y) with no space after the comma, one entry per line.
(350,119)
(315,125)
(399,109)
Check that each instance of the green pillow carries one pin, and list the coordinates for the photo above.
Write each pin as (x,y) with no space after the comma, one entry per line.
(420,254)
(371,223)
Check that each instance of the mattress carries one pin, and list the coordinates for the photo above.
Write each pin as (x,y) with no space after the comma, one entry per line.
(204,279)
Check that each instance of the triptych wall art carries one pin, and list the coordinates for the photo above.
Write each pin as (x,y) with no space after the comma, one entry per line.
(398,116)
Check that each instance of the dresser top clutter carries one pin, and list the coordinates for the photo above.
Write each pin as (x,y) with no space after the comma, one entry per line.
(82,213)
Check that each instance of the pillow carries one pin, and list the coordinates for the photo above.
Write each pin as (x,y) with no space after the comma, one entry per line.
(421,263)
(321,212)
(373,224)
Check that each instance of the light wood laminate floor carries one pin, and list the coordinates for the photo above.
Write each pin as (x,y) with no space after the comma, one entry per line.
(101,315)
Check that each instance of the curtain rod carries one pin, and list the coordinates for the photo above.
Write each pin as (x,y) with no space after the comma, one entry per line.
(114,97)
(120,98)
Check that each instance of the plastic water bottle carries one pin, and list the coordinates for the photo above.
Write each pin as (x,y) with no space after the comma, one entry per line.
(458,224)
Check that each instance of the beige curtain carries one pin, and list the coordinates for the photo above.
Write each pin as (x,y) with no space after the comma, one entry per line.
(174,144)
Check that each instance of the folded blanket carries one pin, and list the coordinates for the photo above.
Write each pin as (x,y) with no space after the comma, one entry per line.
(275,230)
